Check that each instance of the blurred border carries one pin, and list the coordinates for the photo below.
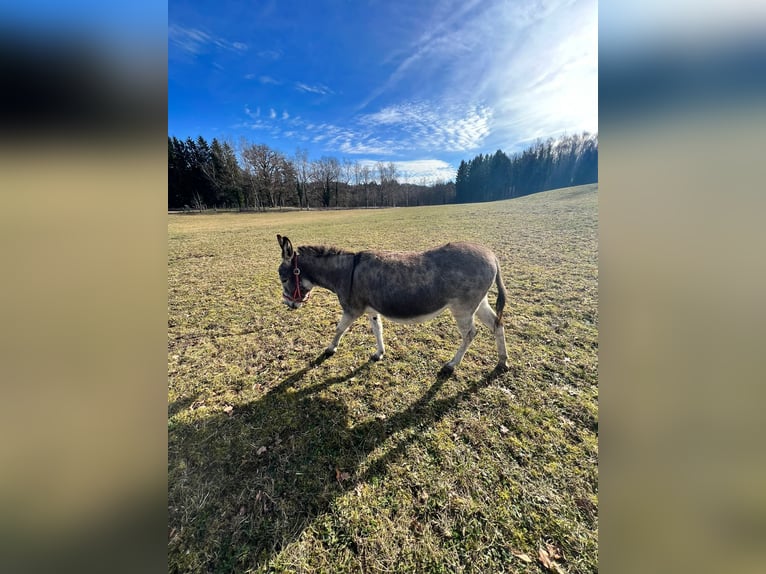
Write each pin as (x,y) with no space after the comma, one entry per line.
(83,253)
(83,182)
(682,96)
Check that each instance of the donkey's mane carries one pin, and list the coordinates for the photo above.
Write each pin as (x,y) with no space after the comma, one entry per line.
(322,251)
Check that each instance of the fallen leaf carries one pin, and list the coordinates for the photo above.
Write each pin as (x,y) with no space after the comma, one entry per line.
(522,556)
(553,551)
(341,476)
(228,409)
(542,555)
(503,429)
(261,450)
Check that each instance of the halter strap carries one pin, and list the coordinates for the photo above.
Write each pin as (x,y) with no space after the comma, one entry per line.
(297,273)
(297,295)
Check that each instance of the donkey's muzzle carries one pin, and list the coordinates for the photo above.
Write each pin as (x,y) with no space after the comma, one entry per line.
(291,304)
(294,303)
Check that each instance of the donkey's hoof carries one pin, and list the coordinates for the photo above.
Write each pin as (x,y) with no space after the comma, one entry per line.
(447,369)
(376,357)
(502,366)
(328,352)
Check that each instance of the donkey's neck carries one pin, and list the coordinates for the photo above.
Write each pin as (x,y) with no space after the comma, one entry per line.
(331,272)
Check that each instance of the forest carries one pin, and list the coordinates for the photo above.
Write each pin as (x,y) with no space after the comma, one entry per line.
(254,177)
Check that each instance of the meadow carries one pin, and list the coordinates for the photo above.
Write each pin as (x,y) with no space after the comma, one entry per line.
(282,461)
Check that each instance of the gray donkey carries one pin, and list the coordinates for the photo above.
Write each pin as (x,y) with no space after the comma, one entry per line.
(406,287)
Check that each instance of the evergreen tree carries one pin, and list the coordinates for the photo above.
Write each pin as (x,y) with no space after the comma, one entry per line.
(550,164)
(461,183)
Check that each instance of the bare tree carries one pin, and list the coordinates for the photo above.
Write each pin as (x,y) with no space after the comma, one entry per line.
(302,176)
(327,172)
(347,173)
(387,174)
(271,173)
(365,175)
(380,168)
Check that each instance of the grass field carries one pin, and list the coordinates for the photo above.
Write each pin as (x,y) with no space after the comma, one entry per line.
(279,461)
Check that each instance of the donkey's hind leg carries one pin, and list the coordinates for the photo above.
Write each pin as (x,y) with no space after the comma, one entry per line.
(377,330)
(488,317)
(340,330)
(468,331)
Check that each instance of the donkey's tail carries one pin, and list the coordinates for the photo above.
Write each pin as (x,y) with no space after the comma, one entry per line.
(502,295)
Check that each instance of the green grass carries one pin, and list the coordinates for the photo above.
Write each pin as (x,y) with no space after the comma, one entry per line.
(436,475)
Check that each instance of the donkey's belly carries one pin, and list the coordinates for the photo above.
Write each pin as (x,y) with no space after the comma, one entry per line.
(409,319)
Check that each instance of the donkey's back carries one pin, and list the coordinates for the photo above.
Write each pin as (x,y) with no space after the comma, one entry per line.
(413,286)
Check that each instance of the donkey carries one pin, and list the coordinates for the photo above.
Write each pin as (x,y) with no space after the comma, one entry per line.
(406,287)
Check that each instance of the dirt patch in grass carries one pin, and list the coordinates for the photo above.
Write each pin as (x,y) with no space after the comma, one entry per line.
(281,461)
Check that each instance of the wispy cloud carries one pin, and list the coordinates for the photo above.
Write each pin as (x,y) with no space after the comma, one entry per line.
(434,127)
(431,47)
(270,54)
(317,89)
(395,129)
(269,80)
(195,41)
(533,63)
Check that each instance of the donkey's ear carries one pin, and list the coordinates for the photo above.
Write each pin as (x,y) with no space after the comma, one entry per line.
(287,247)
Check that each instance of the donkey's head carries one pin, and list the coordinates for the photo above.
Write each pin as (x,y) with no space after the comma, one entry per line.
(295,287)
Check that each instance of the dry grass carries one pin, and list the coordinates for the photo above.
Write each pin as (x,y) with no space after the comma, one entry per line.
(279,461)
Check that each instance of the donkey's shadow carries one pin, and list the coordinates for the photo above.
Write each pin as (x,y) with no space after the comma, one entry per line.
(255,479)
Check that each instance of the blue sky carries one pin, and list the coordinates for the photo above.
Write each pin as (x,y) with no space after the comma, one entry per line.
(421,83)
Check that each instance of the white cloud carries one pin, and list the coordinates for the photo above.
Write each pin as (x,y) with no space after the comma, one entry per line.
(194,41)
(189,40)
(270,54)
(396,129)
(541,77)
(434,127)
(371,147)
(517,70)
(318,89)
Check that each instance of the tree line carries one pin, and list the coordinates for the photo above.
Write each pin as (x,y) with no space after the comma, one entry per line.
(570,160)
(204,175)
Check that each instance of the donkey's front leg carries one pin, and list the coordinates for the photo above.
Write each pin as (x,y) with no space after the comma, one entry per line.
(377,329)
(340,330)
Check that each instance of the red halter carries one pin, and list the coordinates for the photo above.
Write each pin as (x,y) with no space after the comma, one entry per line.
(297,297)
